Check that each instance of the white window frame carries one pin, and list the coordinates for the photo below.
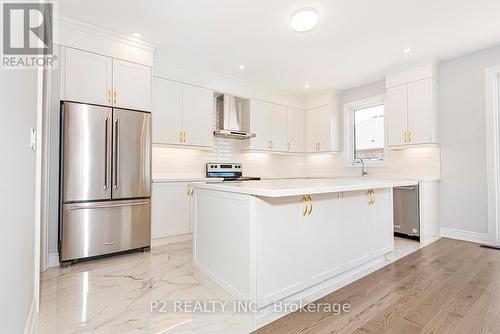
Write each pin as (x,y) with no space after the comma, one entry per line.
(349,109)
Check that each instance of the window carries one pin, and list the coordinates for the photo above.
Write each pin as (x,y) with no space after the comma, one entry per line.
(364,129)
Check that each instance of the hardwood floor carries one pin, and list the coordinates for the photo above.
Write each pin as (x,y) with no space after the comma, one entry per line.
(449,286)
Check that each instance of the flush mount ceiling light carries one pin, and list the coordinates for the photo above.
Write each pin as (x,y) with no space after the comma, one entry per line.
(305,19)
(242,67)
(137,35)
(306,86)
(406,50)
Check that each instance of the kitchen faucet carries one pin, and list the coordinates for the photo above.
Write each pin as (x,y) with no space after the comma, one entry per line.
(363,170)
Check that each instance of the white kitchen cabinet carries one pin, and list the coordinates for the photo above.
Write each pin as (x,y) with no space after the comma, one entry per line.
(167,111)
(412,107)
(259,124)
(311,131)
(321,238)
(397,115)
(278,126)
(197,115)
(170,209)
(269,123)
(86,77)
(131,85)
(380,227)
(322,129)
(182,114)
(420,111)
(354,209)
(279,234)
(295,130)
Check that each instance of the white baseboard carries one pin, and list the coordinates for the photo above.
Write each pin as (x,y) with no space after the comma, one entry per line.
(171,240)
(53,260)
(30,326)
(452,233)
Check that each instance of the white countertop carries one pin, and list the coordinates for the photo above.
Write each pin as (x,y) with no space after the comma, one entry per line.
(297,187)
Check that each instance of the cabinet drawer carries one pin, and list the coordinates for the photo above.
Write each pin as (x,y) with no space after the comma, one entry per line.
(91,229)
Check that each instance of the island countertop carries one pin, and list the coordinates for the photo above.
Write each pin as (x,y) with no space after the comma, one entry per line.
(298,187)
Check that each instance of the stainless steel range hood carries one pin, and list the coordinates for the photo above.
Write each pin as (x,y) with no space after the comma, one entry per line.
(232,116)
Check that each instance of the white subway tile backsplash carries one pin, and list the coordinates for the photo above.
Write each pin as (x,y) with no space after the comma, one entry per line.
(170,162)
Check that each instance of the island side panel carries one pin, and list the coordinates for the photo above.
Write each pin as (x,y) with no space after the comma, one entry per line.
(279,248)
(223,239)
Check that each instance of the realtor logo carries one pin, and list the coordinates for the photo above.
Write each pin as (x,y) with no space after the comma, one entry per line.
(27,34)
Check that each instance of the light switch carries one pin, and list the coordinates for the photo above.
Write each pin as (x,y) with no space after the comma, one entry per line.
(33,139)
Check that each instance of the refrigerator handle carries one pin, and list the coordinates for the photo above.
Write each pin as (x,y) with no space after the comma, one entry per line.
(117,154)
(106,153)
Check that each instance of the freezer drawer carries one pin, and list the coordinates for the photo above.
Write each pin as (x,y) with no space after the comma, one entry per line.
(406,211)
(98,228)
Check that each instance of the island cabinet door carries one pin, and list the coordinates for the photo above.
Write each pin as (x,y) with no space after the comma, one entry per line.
(321,233)
(380,222)
(279,254)
(354,213)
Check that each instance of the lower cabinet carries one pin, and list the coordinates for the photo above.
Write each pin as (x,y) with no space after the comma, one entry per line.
(279,255)
(170,209)
(321,237)
(302,241)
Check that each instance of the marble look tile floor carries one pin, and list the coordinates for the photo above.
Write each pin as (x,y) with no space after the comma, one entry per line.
(114,295)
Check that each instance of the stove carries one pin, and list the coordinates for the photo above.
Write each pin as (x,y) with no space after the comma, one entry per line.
(228,171)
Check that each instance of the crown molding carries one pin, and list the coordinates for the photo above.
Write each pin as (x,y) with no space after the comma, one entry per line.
(434,61)
(62,22)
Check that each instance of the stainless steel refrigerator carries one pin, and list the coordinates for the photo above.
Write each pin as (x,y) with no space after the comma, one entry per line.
(105,181)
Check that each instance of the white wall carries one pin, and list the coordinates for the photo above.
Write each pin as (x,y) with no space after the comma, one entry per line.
(463,189)
(18,103)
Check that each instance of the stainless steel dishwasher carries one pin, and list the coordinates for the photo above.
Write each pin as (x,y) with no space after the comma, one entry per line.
(407,212)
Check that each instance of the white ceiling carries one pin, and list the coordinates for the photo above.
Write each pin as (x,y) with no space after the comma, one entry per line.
(354,42)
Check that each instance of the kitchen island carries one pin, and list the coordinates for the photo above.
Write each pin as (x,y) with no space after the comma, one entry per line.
(293,240)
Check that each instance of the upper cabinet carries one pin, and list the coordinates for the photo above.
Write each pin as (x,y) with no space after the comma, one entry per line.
(321,132)
(412,107)
(269,123)
(131,85)
(182,114)
(86,77)
(197,115)
(295,130)
(92,78)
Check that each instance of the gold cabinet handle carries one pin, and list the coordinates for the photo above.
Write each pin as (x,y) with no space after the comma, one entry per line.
(406,137)
(371,197)
(306,205)
(185,137)
(114,97)
(409,136)
(180,136)
(188,191)
(310,205)
(289,146)
(109,95)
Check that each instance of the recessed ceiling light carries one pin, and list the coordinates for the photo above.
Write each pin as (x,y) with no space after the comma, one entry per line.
(242,67)
(306,86)
(137,35)
(406,50)
(304,19)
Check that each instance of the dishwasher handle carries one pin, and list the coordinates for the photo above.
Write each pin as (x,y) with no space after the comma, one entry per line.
(406,188)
